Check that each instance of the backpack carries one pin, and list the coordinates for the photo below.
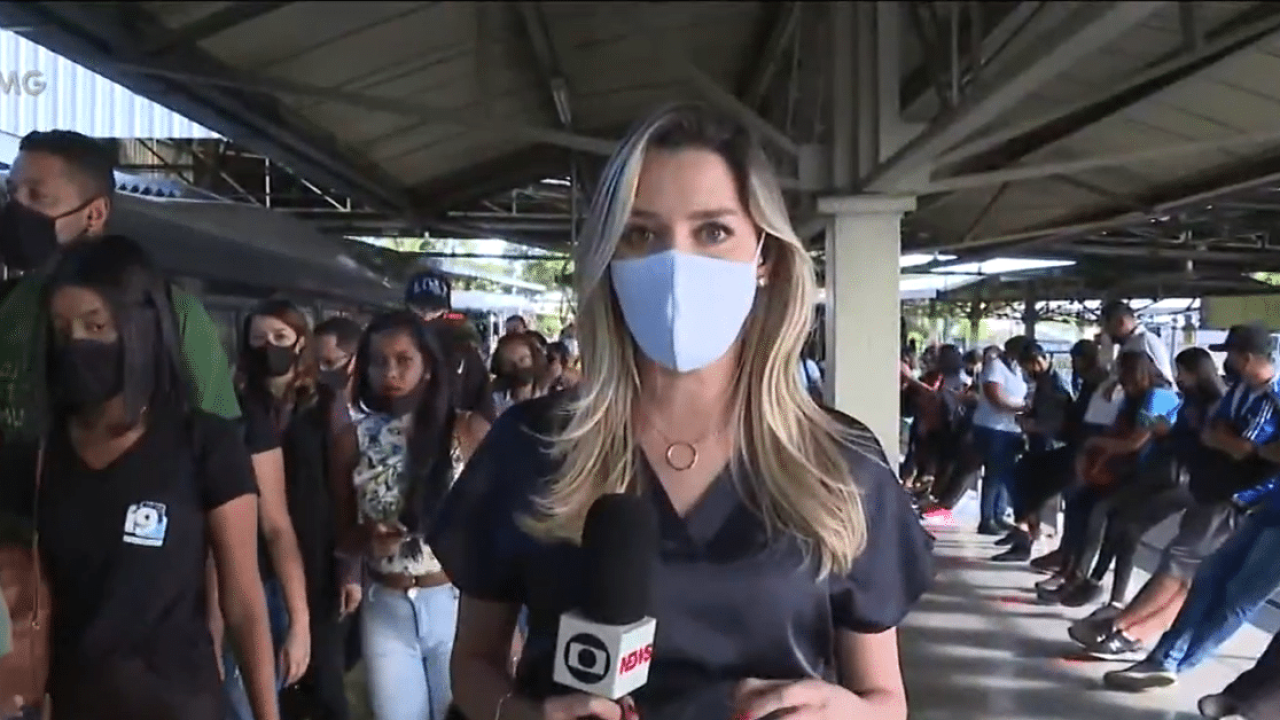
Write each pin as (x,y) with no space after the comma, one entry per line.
(24,671)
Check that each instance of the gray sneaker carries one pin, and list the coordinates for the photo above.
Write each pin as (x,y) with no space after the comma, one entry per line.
(1110,611)
(1089,631)
(1146,675)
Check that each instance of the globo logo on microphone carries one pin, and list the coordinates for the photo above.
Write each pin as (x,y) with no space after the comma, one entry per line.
(603,660)
(587,658)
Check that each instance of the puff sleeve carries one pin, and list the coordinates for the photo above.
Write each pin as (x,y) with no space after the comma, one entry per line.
(475,534)
(896,567)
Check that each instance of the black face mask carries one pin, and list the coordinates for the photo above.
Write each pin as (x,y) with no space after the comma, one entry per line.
(335,379)
(521,376)
(272,361)
(86,373)
(27,237)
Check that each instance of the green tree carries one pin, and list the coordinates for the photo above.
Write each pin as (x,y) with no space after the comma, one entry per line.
(553,273)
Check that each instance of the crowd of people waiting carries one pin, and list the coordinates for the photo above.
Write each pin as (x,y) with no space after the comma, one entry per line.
(316,404)
(1125,446)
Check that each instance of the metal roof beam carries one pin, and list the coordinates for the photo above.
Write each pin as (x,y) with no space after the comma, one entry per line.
(1068,167)
(489,177)
(544,51)
(1251,260)
(1010,20)
(438,116)
(1171,198)
(1021,139)
(215,23)
(782,23)
(669,51)
(1090,27)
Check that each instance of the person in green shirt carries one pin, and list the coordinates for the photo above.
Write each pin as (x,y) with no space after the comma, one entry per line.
(59,190)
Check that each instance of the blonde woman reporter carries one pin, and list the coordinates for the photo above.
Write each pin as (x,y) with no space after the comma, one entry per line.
(788,554)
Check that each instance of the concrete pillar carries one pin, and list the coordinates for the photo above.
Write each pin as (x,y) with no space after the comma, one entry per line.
(863,242)
(1030,314)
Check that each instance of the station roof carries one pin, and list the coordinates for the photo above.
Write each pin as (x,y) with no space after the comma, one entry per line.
(1141,139)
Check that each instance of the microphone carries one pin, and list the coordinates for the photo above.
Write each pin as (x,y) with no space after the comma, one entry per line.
(604,648)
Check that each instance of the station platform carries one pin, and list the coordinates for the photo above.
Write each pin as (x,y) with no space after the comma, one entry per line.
(980,645)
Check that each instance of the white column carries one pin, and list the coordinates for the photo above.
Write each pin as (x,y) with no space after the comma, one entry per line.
(863,243)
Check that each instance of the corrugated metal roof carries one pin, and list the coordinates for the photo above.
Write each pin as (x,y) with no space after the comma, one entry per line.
(43,91)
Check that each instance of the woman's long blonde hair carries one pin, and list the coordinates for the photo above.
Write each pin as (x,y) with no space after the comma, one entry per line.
(794,450)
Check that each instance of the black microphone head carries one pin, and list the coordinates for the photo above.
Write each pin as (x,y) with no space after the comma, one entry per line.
(620,548)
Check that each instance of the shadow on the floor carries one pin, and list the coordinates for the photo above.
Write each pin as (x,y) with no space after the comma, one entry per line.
(974,657)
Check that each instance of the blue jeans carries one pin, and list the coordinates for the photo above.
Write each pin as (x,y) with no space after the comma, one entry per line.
(407,639)
(1228,588)
(999,450)
(233,690)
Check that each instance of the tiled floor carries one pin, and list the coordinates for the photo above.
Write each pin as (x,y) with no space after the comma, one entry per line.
(980,646)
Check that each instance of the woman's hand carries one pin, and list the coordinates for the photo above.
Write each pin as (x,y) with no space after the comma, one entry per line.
(794,700)
(580,706)
(296,654)
(349,598)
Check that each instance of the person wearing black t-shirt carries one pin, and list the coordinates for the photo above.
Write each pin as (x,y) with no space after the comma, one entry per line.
(137,487)
(281,387)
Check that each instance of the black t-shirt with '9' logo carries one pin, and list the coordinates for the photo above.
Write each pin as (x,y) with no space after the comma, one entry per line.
(125,549)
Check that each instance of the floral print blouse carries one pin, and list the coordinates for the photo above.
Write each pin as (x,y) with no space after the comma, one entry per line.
(381,490)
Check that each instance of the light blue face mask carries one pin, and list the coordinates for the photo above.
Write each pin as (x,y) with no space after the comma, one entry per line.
(684,310)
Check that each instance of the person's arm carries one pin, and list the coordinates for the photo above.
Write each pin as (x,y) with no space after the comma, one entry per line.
(1218,425)
(477,389)
(229,498)
(344,455)
(233,529)
(205,358)
(1125,444)
(867,605)
(994,392)
(471,433)
(1263,429)
(870,685)
(481,660)
(217,627)
(286,558)
(1270,452)
(481,668)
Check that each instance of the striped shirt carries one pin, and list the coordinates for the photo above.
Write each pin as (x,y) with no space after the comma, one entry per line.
(1254,414)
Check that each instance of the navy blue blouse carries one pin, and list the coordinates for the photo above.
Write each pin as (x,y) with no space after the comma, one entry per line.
(730,602)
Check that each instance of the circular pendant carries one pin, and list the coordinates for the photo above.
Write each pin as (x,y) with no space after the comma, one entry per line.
(680,451)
